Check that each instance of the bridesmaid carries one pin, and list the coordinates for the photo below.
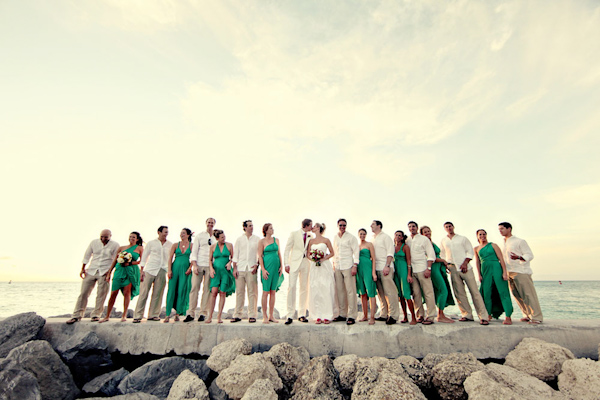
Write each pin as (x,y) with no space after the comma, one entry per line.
(127,275)
(366,277)
(439,278)
(222,281)
(179,273)
(493,278)
(269,258)
(403,275)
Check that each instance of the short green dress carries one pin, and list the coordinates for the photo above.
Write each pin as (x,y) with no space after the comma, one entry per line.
(493,289)
(441,286)
(364,277)
(178,295)
(272,265)
(223,279)
(125,275)
(401,273)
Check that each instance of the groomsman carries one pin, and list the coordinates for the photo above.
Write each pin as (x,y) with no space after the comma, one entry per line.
(345,262)
(102,252)
(201,271)
(422,257)
(245,266)
(517,256)
(458,252)
(297,266)
(153,275)
(384,267)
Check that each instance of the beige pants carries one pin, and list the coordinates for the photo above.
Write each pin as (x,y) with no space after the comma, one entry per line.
(422,287)
(87,285)
(301,274)
(522,288)
(459,280)
(157,284)
(249,280)
(345,288)
(204,275)
(388,295)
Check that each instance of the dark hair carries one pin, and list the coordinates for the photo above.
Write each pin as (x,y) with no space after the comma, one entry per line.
(162,228)
(413,222)
(140,241)
(404,237)
(362,229)
(342,219)
(306,222)
(448,223)
(189,233)
(217,233)
(266,228)
(378,223)
(507,225)
(321,226)
(245,223)
(423,228)
(480,230)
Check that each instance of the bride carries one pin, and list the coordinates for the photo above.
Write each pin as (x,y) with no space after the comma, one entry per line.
(321,286)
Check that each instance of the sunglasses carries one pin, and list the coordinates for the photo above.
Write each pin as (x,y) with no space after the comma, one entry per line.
(209,241)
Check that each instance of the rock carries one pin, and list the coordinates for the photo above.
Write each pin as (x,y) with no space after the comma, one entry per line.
(346,367)
(499,382)
(261,389)
(433,359)
(156,377)
(538,358)
(318,380)
(416,371)
(288,361)
(216,393)
(188,386)
(580,379)
(107,384)
(16,383)
(86,355)
(380,378)
(224,353)
(130,396)
(19,329)
(243,371)
(450,374)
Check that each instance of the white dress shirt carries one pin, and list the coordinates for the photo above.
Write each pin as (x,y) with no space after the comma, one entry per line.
(156,256)
(384,248)
(521,248)
(201,248)
(456,250)
(245,252)
(102,256)
(346,251)
(421,251)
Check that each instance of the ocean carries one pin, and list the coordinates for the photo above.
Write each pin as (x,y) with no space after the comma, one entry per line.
(569,300)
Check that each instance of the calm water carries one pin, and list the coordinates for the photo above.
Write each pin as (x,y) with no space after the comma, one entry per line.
(571,300)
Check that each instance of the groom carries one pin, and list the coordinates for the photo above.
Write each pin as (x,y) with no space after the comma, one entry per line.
(296,264)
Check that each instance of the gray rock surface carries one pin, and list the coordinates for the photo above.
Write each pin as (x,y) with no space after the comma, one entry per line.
(538,358)
(18,329)
(419,374)
(580,379)
(378,378)
(261,389)
(318,380)
(156,377)
(216,393)
(86,355)
(107,384)
(224,353)
(288,361)
(346,367)
(129,396)
(450,374)
(188,386)
(16,383)
(243,371)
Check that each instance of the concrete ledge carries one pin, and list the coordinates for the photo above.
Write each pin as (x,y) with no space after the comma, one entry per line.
(494,341)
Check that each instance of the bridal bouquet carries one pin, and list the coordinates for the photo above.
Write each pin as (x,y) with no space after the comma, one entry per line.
(316,256)
(124,257)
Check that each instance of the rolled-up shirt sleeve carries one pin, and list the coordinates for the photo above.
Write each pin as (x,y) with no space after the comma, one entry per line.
(468,249)
(526,252)
(236,254)
(146,254)
(195,246)
(355,250)
(429,251)
(389,246)
(87,255)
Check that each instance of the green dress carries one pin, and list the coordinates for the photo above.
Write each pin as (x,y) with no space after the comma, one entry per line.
(223,279)
(272,265)
(180,284)
(401,273)
(125,275)
(364,277)
(441,286)
(493,289)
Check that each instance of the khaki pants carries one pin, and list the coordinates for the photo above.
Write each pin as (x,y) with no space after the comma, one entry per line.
(157,284)
(204,275)
(249,280)
(87,285)
(459,280)
(422,287)
(523,290)
(388,295)
(345,288)
(302,272)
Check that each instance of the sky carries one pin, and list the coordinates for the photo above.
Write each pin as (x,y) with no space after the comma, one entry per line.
(131,115)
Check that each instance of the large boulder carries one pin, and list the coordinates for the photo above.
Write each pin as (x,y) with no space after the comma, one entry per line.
(19,329)
(130,396)
(107,384)
(224,353)
(156,377)
(243,371)
(188,386)
(346,367)
(450,374)
(500,382)
(216,393)
(580,379)
(419,374)
(261,389)
(288,361)
(53,376)
(86,355)
(318,380)
(538,358)
(16,383)
(378,378)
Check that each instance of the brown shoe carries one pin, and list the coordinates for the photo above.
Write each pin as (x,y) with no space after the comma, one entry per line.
(72,321)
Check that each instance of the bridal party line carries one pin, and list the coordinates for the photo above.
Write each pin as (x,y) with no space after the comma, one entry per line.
(326,277)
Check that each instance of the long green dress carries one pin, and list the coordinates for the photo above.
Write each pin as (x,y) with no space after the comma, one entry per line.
(125,275)
(223,279)
(178,295)
(272,265)
(401,273)
(441,286)
(364,277)
(493,289)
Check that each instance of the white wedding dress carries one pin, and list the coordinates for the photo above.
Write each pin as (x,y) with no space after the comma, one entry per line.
(321,287)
